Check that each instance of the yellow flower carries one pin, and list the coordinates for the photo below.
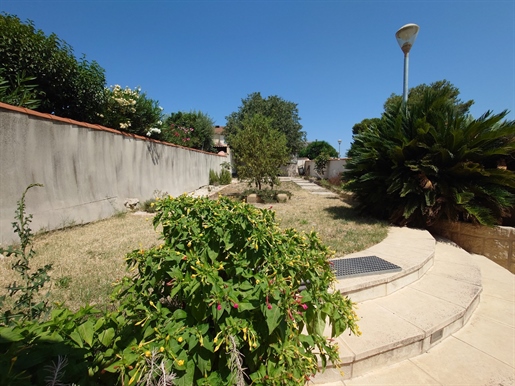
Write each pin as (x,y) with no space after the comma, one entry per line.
(161,349)
(180,339)
(189,244)
(147,353)
(180,362)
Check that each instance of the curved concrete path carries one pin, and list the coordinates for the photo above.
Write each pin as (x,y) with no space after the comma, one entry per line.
(481,352)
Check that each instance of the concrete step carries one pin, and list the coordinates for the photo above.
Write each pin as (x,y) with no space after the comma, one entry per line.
(411,249)
(405,314)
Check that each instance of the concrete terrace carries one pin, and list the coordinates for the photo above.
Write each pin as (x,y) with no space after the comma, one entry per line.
(447,318)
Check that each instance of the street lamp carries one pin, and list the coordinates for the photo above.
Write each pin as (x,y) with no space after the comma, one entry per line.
(406,36)
(339,143)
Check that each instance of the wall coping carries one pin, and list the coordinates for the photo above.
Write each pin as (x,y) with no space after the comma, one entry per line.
(56,118)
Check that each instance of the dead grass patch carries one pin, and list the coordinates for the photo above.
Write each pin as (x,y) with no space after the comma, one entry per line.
(87,259)
(332,217)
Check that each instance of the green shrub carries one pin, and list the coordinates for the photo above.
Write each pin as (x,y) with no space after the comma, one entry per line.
(225,177)
(433,162)
(227,296)
(63,85)
(214,178)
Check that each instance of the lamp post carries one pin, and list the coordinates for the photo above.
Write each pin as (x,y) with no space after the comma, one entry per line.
(339,143)
(406,36)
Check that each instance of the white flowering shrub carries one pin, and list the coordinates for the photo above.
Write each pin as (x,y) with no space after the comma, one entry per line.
(130,110)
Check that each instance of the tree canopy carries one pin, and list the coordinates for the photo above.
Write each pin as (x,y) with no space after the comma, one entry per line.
(201,137)
(314,149)
(259,151)
(65,86)
(283,116)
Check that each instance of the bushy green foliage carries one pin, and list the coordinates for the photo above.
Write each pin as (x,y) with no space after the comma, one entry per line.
(283,115)
(193,129)
(432,161)
(314,149)
(228,298)
(214,178)
(228,294)
(259,151)
(131,111)
(66,87)
(19,91)
(225,177)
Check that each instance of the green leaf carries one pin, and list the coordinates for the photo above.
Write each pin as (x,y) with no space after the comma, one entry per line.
(273,317)
(106,336)
(8,334)
(75,336)
(86,331)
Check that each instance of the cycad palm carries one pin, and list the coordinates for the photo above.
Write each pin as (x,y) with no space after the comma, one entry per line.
(434,162)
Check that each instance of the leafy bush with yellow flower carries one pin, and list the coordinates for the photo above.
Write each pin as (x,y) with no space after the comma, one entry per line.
(228,298)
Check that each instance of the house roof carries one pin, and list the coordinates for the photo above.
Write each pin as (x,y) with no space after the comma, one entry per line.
(219,129)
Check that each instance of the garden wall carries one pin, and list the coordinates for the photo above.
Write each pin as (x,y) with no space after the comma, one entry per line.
(496,243)
(88,171)
(334,168)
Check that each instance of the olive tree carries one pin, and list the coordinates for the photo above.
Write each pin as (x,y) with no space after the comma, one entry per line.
(259,151)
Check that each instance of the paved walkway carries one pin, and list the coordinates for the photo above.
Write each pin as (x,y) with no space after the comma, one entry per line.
(480,353)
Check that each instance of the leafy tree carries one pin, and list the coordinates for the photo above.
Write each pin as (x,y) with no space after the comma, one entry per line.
(314,149)
(66,86)
(433,161)
(259,151)
(201,137)
(284,117)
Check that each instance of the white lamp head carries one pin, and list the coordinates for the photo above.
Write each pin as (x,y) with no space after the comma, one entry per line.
(406,36)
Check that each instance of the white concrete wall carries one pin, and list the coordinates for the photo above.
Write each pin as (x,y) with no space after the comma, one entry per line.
(335,167)
(88,171)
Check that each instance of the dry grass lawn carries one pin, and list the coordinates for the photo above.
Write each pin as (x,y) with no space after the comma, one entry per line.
(87,259)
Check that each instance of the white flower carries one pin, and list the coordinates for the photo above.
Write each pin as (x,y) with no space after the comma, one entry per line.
(153,130)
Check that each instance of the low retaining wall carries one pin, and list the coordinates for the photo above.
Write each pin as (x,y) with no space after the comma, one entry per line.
(496,243)
(88,171)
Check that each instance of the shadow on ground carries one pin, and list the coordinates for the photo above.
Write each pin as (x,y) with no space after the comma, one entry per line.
(350,214)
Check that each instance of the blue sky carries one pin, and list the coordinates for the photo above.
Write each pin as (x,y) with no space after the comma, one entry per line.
(338,60)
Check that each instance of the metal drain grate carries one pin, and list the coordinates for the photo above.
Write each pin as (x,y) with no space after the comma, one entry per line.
(361,266)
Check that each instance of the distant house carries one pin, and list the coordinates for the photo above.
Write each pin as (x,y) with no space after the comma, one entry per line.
(219,142)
